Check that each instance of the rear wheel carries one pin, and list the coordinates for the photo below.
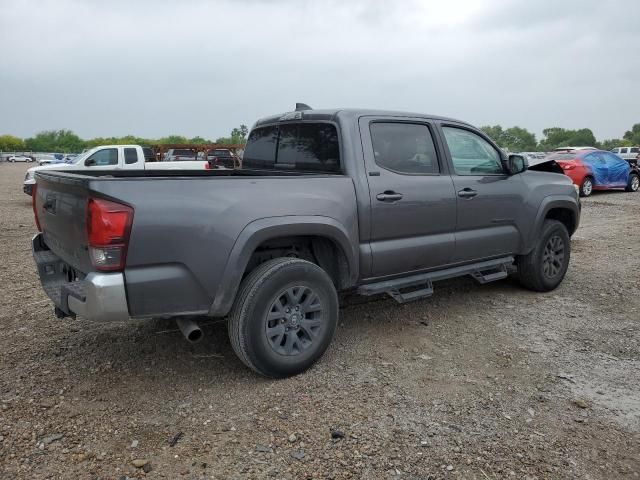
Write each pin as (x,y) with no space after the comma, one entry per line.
(634,183)
(586,188)
(544,268)
(284,317)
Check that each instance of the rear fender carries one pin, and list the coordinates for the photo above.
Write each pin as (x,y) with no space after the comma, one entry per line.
(269,228)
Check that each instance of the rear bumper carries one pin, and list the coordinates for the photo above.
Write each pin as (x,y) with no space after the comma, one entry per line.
(99,297)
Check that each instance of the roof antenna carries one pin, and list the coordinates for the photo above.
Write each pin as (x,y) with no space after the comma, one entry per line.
(302,106)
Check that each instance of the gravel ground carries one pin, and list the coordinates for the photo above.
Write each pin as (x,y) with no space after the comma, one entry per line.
(479,382)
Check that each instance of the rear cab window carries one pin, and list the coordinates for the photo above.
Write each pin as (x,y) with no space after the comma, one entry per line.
(311,147)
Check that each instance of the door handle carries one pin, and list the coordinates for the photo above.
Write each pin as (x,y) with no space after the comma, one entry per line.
(467,193)
(389,196)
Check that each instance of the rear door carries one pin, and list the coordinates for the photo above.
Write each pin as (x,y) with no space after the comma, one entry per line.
(598,167)
(617,170)
(413,206)
(488,199)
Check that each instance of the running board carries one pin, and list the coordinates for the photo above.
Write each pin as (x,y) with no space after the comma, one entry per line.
(421,285)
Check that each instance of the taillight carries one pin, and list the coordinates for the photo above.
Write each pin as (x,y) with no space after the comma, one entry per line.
(33,206)
(108,228)
(567,165)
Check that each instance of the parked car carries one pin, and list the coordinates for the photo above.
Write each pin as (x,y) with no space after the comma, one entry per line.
(180,155)
(223,157)
(51,159)
(20,158)
(630,154)
(570,149)
(111,157)
(597,170)
(330,200)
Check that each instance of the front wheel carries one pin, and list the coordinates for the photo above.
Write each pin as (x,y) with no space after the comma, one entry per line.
(284,317)
(544,268)
(634,183)
(586,188)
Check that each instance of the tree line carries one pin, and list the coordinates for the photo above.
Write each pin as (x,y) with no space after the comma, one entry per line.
(514,139)
(66,141)
(517,139)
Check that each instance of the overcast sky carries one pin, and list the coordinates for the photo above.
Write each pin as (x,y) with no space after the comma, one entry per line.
(158,67)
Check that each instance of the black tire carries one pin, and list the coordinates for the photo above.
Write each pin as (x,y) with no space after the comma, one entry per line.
(536,274)
(586,188)
(262,291)
(634,183)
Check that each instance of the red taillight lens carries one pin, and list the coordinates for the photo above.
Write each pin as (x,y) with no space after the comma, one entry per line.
(568,165)
(33,206)
(108,228)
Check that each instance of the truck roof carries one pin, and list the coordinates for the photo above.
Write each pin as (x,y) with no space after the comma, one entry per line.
(333,114)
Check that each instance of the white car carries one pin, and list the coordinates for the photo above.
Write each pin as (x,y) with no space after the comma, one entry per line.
(20,158)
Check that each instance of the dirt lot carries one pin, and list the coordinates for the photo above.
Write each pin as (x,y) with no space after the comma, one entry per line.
(479,382)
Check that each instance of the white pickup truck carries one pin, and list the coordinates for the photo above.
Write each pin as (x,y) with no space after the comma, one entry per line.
(112,157)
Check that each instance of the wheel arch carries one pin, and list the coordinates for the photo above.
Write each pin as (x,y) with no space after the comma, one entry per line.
(556,207)
(333,246)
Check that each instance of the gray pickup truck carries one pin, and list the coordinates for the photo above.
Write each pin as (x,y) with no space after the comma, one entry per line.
(327,201)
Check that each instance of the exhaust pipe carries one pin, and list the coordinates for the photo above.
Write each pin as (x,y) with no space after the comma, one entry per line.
(190,329)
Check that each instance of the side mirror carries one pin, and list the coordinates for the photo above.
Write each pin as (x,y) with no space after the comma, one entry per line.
(516,164)
(90,162)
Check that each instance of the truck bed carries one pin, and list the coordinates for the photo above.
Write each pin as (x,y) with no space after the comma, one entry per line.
(185,227)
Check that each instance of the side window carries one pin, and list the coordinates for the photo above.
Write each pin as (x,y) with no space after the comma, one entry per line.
(595,159)
(472,154)
(405,148)
(613,159)
(130,156)
(102,158)
(635,149)
(310,147)
(260,151)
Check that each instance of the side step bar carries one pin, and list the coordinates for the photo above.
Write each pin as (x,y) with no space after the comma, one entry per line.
(421,285)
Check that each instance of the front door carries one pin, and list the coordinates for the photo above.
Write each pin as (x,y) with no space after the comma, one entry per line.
(413,206)
(488,199)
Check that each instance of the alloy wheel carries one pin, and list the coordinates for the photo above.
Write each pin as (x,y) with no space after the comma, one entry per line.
(294,320)
(553,256)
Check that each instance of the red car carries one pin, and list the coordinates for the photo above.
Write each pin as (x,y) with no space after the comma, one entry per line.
(597,170)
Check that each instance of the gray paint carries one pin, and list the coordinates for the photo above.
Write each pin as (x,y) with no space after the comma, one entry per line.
(193,235)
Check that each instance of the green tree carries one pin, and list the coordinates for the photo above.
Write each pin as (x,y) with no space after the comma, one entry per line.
(560,137)
(613,143)
(199,140)
(494,132)
(173,139)
(514,139)
(55,141)
(633,135)
(9,143)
